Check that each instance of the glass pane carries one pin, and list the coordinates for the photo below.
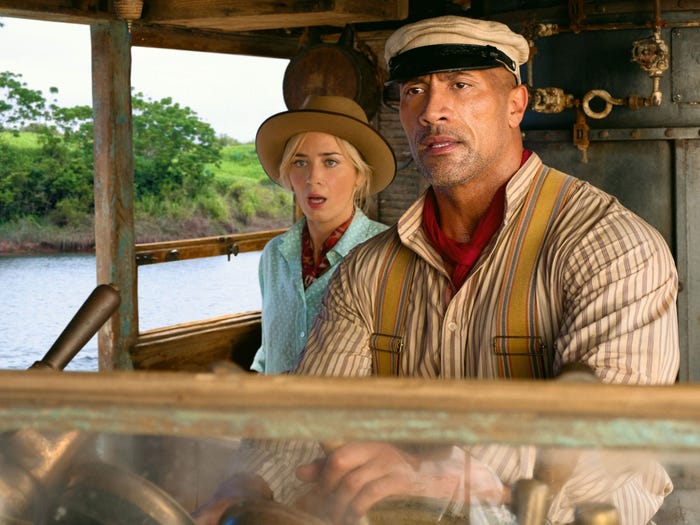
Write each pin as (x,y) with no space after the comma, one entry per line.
(95,478)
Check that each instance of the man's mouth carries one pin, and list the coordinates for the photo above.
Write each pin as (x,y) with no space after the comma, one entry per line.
(437,144)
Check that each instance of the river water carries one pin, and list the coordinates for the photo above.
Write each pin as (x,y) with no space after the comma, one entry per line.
(39,295)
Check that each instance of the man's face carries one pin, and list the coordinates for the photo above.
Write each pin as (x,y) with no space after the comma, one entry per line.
(458,123)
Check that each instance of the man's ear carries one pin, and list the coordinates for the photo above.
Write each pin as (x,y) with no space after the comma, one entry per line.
(517,105)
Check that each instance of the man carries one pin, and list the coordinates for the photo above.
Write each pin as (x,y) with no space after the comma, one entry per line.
(508,259)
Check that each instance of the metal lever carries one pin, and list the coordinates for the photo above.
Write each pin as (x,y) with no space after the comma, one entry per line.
(31,461)
(97,308)
(530,501)
(596,514)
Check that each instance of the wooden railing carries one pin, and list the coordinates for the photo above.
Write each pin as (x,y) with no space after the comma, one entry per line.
(180,250)
(196,345)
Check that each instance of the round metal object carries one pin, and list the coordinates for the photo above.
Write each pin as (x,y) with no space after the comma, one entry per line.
(332,69)
(99,493)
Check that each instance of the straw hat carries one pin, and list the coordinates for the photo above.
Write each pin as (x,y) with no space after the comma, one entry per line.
(453,43)
(339,116)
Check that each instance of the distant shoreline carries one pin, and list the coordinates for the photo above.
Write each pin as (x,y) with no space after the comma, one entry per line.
(31,248)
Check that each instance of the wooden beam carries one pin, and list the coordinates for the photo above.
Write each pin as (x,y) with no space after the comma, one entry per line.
(170,37)
(248,15)
(545,413)
(68,11)
(114,187)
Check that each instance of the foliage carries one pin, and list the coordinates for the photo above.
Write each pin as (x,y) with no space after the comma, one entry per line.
(188,181)
(171,147)
(19,104)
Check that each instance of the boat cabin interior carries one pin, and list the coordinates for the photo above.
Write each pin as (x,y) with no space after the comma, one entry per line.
(614,99)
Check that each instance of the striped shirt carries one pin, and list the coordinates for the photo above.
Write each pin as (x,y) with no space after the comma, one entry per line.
(605,296)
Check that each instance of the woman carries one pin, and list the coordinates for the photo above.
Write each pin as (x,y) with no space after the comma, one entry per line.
(329,156)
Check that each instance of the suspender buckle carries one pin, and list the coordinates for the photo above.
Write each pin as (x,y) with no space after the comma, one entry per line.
(521,357)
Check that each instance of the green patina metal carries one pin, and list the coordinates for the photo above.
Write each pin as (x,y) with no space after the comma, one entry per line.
(414,426)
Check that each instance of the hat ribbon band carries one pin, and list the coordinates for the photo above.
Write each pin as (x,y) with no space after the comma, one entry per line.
(446,57)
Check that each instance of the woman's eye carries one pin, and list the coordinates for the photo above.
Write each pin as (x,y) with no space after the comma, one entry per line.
(331,162)
(299,163)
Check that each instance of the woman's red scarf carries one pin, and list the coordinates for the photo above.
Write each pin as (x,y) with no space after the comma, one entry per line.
(309,270)
(463,255)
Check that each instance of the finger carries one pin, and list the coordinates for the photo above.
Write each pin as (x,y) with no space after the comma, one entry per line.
(369,495)
(345,459)
(314,502)
(311,471)
(364,486)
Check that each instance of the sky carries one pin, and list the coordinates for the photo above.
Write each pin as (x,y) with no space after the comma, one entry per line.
(233,93)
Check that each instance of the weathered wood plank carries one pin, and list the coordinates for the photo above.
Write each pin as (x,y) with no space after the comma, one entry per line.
(240,43)
(114,187)
(180,250)
(252,15)
(194,346)
(67,11)
(244,405)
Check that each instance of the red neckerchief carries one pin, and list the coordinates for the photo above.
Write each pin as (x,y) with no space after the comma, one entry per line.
(309,271)
(463,255)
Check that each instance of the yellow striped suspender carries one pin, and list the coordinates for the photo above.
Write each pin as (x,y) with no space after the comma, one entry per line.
(520,352)
(393,294)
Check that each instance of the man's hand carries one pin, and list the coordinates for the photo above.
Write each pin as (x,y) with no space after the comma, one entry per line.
(355,476)
(237,488)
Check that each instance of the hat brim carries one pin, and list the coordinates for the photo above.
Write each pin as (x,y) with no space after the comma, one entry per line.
(273,134)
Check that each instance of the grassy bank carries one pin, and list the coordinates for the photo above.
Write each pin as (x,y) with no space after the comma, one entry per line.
(240,198)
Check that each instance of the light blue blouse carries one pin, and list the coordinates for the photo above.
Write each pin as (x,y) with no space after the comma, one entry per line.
(288,311)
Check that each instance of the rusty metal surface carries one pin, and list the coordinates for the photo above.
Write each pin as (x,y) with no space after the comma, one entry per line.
(638,173)
(685,64)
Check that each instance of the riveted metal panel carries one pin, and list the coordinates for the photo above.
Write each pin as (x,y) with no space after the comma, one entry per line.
(685,65)
(638,173)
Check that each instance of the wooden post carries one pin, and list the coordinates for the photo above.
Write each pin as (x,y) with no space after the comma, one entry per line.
(114,187)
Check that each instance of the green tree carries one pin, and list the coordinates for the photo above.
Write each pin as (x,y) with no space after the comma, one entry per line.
(171,148)
(67,153)
(173,154)
(19,105)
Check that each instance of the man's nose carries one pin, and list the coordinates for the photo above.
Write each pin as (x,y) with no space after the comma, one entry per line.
(434,108)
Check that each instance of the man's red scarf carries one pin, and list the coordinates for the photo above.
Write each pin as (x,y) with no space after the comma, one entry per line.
(463,255)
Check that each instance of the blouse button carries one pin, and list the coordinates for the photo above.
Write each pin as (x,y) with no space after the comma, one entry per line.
(301,335)
(452,326)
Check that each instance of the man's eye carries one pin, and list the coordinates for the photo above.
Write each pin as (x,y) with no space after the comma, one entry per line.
(461,85)
(413,90)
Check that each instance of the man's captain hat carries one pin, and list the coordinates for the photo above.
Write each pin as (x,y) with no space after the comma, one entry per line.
(453,43)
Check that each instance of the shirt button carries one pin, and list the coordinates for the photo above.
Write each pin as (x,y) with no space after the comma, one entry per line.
(452,326)
(301,335)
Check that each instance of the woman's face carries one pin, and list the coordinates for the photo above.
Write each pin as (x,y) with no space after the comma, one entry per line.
(324,181)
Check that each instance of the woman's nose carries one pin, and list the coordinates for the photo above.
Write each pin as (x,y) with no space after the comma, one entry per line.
(313,174)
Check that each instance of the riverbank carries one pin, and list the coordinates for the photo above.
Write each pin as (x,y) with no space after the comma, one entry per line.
(31,237)
(28,236)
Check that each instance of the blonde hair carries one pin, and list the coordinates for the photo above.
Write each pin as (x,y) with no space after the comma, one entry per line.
(364,170)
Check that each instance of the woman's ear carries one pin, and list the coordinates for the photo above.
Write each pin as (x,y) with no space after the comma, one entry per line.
(360,179)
